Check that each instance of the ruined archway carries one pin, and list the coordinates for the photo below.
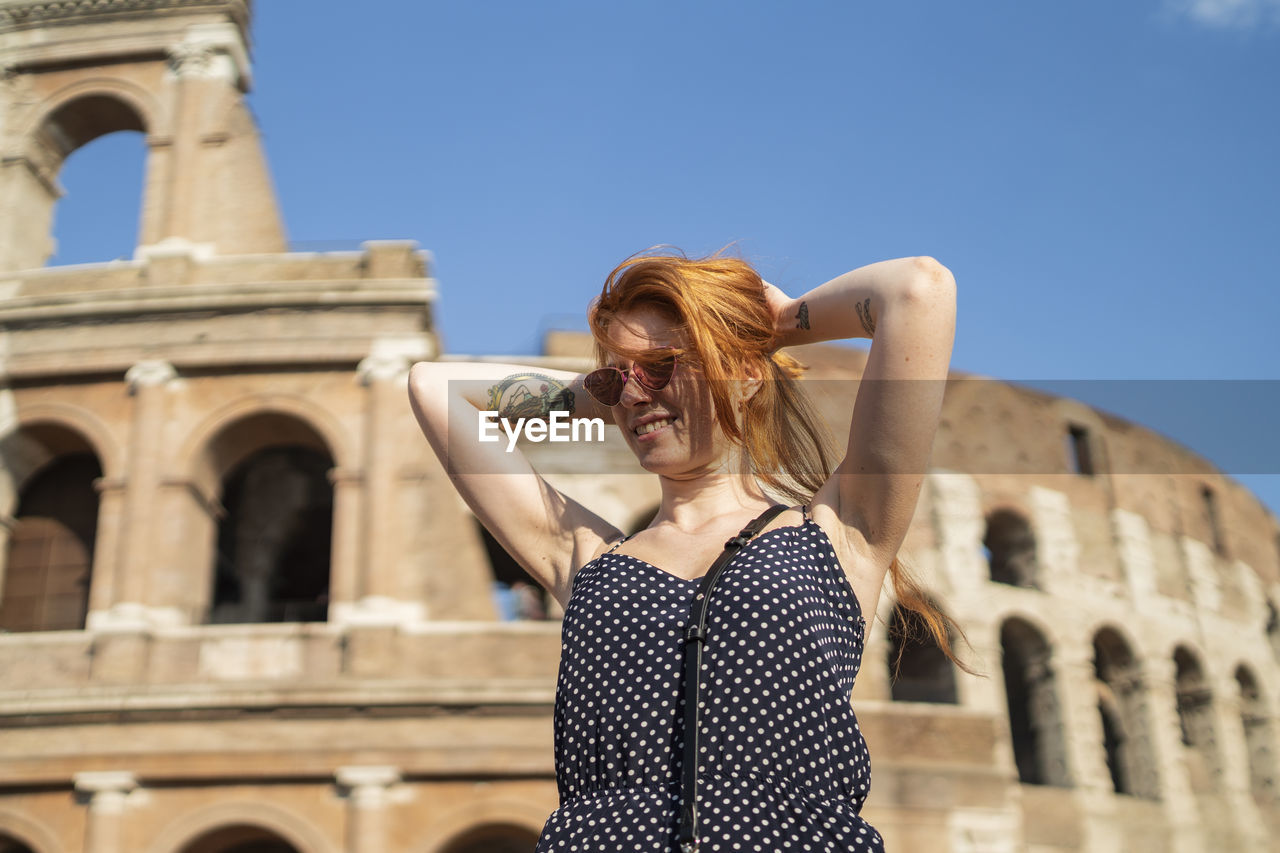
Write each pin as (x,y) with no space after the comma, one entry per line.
(274,538)
(53,533)
(1256,723)
(1122,705)
(98,216)
(921,671)
(1010,546)
(1195,718)
(70,121)
(1035,714)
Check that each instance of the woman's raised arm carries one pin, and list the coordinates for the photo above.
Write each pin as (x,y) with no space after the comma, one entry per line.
(908,308)
(548,533)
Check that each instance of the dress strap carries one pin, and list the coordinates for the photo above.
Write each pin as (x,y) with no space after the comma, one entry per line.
(804,511)
(617,544)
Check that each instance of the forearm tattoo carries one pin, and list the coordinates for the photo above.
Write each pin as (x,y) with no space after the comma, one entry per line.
(530,395)
(802,316)
(864,314)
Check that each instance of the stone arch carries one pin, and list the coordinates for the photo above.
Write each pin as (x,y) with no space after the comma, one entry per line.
(189,829)
(1035,714)
(920,671)
(1047,629)
(240,838)
(493,838)
(140,102)
(1116,635)
(227,438)
(50,501)
(192,457)
(481,815)
(70,119)
(1194,702)
(122,86)
(1010,547)
(26,831)
(91,429)
(1122,704)
(273,555)
(1255,719)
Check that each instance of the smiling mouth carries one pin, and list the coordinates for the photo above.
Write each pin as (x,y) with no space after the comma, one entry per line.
(653,426)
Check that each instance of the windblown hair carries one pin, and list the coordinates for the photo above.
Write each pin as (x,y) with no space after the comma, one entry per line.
(718,302)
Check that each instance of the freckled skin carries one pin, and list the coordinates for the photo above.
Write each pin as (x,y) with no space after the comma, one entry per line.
(694,444)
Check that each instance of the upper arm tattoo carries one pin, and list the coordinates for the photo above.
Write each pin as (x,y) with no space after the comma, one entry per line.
(530,395)
(802,316)
(864,314)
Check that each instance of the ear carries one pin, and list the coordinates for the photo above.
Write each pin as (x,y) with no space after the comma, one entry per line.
(749,384)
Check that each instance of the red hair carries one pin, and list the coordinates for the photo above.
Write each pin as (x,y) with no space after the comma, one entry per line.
(718,302)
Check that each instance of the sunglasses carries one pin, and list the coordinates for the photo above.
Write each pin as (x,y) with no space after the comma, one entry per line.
(605,384)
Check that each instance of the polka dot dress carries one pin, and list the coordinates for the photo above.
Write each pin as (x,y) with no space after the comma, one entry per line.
(782,763)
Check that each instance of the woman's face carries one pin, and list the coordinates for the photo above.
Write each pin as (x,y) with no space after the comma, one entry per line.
(673,431)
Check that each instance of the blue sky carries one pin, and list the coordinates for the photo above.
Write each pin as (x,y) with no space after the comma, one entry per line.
(1101,177)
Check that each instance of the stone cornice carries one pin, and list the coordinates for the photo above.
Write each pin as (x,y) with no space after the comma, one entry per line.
(23,14)
(82,307)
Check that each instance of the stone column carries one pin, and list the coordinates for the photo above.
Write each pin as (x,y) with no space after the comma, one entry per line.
(984,694)
(384,378)
(103,581)
(1132,536)
(1160,696)
(344,559)
(28,179)
(210,185)
(106,793)
(147,381)
(366,790)
(156,195)
(6,530)
(1045,705)
(959,525)
(200,71)
(378,597)
(1233,757)
(9,426)
(1081,722)
(1084,750)
(1058,548)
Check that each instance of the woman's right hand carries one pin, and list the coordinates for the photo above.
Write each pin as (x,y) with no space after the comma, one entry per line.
(783,310)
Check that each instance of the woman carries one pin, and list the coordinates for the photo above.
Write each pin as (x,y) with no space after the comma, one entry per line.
(691,374)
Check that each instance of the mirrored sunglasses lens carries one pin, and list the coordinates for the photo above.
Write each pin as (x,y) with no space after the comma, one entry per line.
(656,375)
(605,384)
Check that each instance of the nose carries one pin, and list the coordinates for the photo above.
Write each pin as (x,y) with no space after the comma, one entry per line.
(633,393)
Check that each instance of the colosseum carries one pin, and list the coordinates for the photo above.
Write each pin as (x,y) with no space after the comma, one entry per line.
(243,611)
